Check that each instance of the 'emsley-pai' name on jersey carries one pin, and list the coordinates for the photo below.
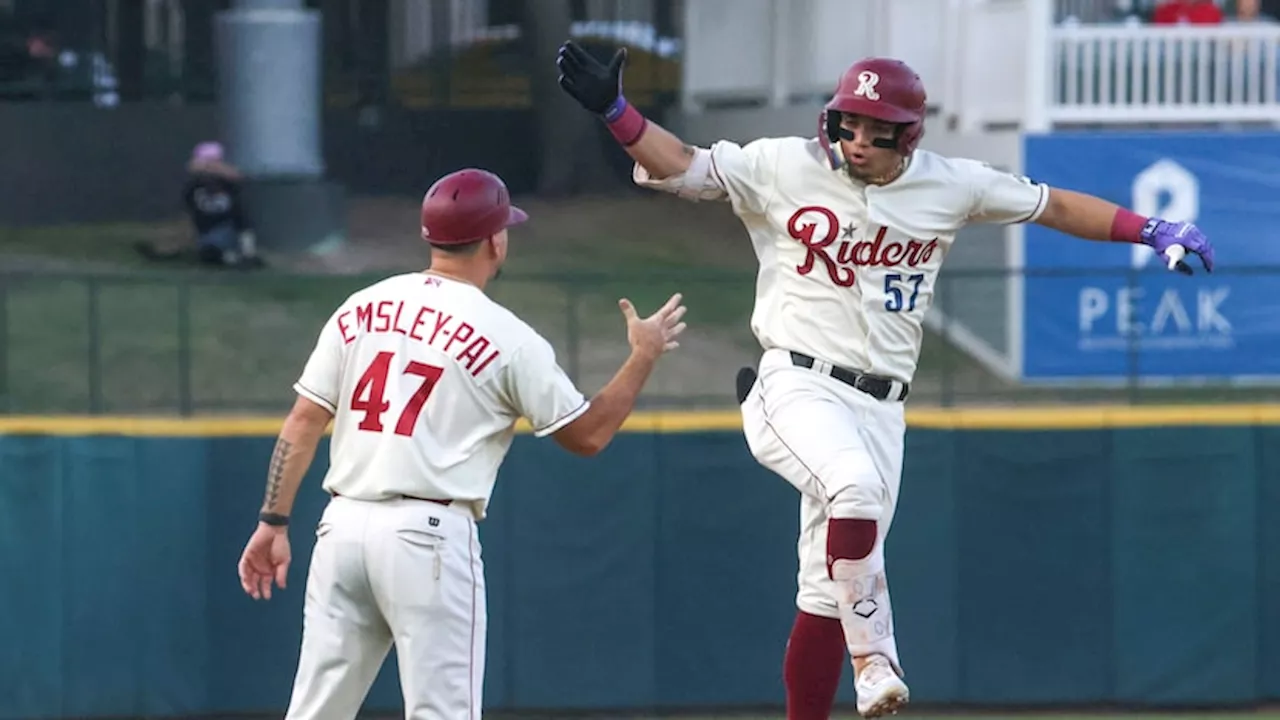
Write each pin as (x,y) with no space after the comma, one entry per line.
(450,335)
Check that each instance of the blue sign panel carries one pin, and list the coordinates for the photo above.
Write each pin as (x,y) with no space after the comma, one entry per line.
(1109,311)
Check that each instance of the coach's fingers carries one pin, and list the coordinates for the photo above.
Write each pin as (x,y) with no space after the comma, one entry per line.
(675,330)
(676,314)
(628,310)
(250,583)
(245,583)
(282,570)
(671,305)
(258,571)
(247,576)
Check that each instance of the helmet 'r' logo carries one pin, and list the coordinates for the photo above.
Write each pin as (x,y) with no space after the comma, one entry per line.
(867,82)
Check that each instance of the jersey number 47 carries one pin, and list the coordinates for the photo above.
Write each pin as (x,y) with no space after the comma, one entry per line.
(370,396)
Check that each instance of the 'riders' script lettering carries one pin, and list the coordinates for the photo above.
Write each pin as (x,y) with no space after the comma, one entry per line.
(803,226)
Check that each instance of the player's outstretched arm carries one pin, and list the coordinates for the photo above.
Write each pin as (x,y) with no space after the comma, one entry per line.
(1092,218)
(266,557)
(649,337)
(598,88)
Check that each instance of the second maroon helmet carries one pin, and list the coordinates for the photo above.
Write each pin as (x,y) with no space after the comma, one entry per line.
(881,88)
(466,206)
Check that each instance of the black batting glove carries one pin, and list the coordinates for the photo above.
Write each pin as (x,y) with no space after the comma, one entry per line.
(596,87)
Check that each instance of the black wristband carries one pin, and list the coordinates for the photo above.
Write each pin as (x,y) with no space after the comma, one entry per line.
(274,519)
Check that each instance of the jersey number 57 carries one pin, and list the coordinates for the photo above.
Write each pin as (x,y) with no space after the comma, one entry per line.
(894,291)
(370,396)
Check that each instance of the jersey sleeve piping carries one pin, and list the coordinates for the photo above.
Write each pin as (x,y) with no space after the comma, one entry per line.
(773,184)
(568,418)
(1041,204)
(315,397)
(715,170)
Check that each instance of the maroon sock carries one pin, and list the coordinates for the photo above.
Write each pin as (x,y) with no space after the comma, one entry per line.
(812,666)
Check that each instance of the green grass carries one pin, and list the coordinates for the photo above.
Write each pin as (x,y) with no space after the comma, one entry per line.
(105,242)
(120,345)
(214,341)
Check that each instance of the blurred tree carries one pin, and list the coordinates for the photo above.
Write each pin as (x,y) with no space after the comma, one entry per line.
(569,140)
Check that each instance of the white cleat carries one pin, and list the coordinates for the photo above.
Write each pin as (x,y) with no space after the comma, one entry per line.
(880,690)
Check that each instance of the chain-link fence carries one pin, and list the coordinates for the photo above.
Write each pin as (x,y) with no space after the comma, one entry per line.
(209,344)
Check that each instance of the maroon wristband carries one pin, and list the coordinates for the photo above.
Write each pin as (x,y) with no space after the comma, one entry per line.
(628,128)
(1127,226)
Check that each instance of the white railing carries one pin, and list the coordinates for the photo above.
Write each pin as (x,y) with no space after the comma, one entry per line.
(1144,74)
(985,62)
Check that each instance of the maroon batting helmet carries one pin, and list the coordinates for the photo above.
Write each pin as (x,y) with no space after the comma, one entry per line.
(467,206)
(880,88)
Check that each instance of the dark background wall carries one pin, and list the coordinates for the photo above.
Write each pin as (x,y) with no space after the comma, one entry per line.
(66,163)
(1028,568)
(84,164)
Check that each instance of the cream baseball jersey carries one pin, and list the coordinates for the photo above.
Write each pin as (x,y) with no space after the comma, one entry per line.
(427,377)
(847,270)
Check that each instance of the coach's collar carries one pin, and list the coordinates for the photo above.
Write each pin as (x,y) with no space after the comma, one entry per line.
(447,276)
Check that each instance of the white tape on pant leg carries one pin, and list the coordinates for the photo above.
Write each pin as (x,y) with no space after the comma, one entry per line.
(866,615)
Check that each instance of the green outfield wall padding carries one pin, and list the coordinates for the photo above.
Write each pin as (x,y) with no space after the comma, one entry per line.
(1130,566)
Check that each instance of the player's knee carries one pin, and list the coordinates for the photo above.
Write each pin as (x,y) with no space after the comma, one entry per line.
(850,539)
(857,496)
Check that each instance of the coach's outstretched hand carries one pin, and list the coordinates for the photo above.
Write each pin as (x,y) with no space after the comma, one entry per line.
(594,85)
(656,334)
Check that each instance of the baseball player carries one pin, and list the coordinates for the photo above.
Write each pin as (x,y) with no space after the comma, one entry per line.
(424,378)
(850,228)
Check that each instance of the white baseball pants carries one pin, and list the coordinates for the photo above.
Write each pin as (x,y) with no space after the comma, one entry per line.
(830,440)
(402,572)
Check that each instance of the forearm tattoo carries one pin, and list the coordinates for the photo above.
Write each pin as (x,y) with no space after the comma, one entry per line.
(275,473)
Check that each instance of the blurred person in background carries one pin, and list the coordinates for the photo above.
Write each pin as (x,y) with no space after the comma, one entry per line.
(1260,10)
(28,58)
(1192,12)
(212,200)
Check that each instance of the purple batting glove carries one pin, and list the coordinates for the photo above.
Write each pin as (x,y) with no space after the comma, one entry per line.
(1162,234)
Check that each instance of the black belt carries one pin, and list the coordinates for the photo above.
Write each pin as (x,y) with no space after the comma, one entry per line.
(876,386)
(411,497)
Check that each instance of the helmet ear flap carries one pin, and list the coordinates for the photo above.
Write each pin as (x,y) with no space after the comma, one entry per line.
(910,137)
(831,124)
(828,126)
